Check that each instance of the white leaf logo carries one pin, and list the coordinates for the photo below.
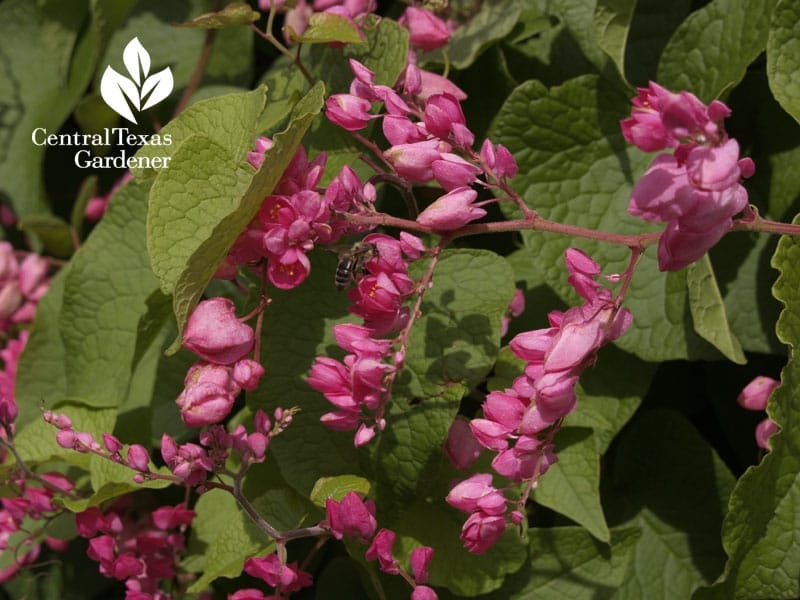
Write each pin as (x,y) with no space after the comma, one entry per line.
(141,90)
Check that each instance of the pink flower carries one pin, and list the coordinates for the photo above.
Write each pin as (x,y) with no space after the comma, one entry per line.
(214,332)
(481,531)
(461,447)
(256,157)
(756,393)
(171,517)
(423,592)
(427,31)
(414,161)
(764,430)
(452,171)
(452,211)
(477,493)
(247,593)
(348,112)
(399,129)
(188,461)
(504,163)
(208,396)
(138,458)
(289,270)
(420,561)
(351,517)
(381,550)
(442,113)
(247,373)
(290,577)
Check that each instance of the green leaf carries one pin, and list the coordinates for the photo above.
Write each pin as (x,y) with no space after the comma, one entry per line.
(708,310)
(457,338)
(105,294)
(572,485)
(710,51)
(783,56)
(612,22)
(45,66)
(493,21)
(568,563)
(751,309)
(324,28)
(44,353)
(225,120)
(54,233)
(210,193)
(338,487)
(340,578)
(234,538)
(654,22)
(763,560)
(575,168)
(236,13)
(667,481)
(87,190)
(607,401)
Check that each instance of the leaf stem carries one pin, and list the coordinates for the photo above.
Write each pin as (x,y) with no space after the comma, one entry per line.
(199,68)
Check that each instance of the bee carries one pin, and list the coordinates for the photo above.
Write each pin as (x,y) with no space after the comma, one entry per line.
(352,263)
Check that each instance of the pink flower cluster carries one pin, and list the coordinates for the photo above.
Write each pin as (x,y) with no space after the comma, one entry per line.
(32,501)
(139,551)
(295,217)
(192,463)
(136,457)
(215,334)
(429,139)
(22,285)
(357,385)
(695,190)
(754,396)
(516,421)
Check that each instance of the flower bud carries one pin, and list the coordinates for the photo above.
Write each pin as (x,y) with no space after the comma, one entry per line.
(451,211)
(348,112)
(214,332)
(247,373)
(756,393)
(420,560)
(138,458)
(426,30)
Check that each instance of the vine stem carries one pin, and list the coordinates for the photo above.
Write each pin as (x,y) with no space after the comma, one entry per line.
(534,223)
(31,475)
(280,537)
(273,41)
(199,68)
(402,338)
